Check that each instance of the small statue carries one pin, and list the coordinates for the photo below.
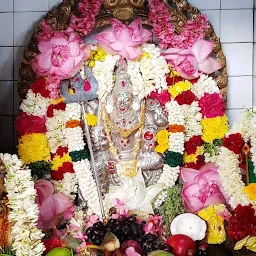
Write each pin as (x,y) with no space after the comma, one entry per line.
(124,138)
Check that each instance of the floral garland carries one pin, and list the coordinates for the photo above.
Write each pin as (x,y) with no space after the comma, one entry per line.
(80,155)
(103,71)
(24,211)
(164,29)
(229,164)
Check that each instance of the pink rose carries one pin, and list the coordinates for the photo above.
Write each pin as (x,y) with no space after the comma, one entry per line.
(201,187)
(124,40)
(212,105)
(189,63)
(62,55)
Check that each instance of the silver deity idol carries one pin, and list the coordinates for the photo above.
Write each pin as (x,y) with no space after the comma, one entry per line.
(123,140)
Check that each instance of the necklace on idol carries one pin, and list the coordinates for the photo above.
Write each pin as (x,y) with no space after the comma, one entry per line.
(129,168)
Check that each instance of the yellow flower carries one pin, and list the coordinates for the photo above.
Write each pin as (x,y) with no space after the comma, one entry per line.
(70,91)
(200,150)
(92,120)
(214,128)
(91,64)
(33,147)
(179,87)
(250,190)
(162,137)
(58,161)
(215,224)
(145,54)
(55,102)
(161,148)
(173,72)
(189,158)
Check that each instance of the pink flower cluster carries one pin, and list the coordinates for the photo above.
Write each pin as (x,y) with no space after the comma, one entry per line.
(46,31)
(88,10)
(212,105)
(53,85)
(165,32)
(154,225)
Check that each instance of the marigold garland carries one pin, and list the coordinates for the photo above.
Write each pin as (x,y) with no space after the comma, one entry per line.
(214,128)
(34,147)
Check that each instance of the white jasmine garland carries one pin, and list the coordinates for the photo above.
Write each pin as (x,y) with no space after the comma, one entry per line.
(176,142)
(56,130)
(104,73)
(35,104)
(68,185)
(175,115)
(192,118)
(205,84)
(231,179)
(24,211)
(73,111)
(74,138)
(87,185)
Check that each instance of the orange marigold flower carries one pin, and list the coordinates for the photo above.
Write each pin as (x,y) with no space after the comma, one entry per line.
(73,124)
(176,128)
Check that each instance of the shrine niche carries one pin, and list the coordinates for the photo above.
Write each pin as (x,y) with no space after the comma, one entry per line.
(124,144)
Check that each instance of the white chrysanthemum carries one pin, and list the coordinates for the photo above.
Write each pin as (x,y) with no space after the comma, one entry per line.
(35,104)
(205,84)
(24,211)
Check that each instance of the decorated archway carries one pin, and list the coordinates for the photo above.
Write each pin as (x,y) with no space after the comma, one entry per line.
(122,127)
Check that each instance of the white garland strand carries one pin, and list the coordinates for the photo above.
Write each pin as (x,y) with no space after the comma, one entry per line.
(231,179)
(24,211)
(192,117)
(87,185)
(176,144)
(103,72)
(205,84)
(68,185)
(56,130)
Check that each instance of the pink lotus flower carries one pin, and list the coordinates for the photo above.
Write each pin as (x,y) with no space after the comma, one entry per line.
(189,63)
(201,187)
(124,40)
(62,55)
(52,207)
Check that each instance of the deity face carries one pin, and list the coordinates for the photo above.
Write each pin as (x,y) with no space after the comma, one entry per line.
(123,102)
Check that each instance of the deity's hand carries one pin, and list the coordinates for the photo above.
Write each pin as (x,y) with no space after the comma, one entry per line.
(99,139)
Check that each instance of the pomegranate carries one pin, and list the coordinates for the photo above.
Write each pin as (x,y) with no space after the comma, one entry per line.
(182,245)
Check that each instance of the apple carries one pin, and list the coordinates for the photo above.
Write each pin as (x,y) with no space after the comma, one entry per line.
(182,245)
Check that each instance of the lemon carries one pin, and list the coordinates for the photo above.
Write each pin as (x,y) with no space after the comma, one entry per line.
(59,252)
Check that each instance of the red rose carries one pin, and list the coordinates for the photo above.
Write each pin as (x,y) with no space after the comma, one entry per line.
(212,105)
(186,97)
(26,124)
(39,86)
(192,144)
(164,97)
(234,142)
